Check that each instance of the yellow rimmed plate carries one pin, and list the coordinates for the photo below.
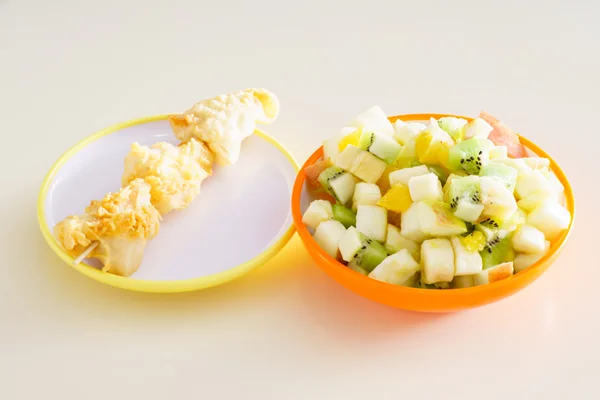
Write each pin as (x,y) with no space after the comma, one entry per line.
(239,221)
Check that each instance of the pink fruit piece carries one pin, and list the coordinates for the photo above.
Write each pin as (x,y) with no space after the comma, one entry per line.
(313,185)
(502,135)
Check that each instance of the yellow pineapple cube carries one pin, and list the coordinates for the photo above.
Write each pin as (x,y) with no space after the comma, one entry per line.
(397,199)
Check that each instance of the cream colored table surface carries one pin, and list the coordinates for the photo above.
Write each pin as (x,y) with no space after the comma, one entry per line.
(68,69)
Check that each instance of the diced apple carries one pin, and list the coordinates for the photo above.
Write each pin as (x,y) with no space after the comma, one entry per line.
(498,201)
(406,131)
(350,243)
(530,202)
(468,211)
(465,262)
(373,120)
(395,242)
(494,274)
(549,217)
(528,239)
(523,261)
(343,187)
(318,211)
(347,158)
(534,182)
(328,234)
(396,269)
(367,194)
(436,219)
(410,227)
(372,222)
(403,175)
(437,257)
(516,163)
(425,187)
(537,162)
(368,167)
(498,152)
(478,127)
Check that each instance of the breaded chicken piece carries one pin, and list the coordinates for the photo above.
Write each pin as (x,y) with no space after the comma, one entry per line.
(224,121)
(121,223)
(173,172)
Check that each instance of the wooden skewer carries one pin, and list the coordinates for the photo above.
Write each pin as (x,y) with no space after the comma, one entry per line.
(85,253)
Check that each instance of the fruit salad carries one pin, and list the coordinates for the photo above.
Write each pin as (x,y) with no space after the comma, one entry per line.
(443,205)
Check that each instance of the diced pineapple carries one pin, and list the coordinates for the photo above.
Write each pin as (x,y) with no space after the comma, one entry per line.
(318,211)
(494,274)
(403,175)
(395,242)
(367,194)
(425,187)
(328,234)
(523,261)
(549,217)
(396,269)
(534,182)
(410,226)
(368,167)
(406,131)
(372,222)
(465,262)
(397,199)
(351,137)
(528,239)
(468,211)
(437,257)
(498,152)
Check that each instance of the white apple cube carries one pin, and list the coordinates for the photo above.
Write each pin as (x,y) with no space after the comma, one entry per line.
(537,162)
(549,217)
(407,131)
(494,274)
(425,187)
(410,227)
(371,221)
(343,187)
(465,262)
(402,176)
(328,234)
(394,242)
(318,211)
(528,239)
(530,202)
(534,182)
(516,163)
(498,152)
(396,269)
(373,120)
(523,261)
(350,243)
(365,194)
(437,257)
(468,211)
(478,127)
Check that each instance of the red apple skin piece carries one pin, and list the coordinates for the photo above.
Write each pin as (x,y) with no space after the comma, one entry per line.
(502,135)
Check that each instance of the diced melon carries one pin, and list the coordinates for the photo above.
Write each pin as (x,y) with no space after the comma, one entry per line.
(406,131)
(397,199)
(328,234)
(367,194)
(425,187)
(437,257)
(549,217)
(410,227)
(466,262)
(396,269)
(318,211)
(528,239)
(523,261)
(402,176)
(462,282)
(498,152)
(373,120)
(533,182)
(436,219)
(494,274)
(468,211)
(372,222)
(395,242)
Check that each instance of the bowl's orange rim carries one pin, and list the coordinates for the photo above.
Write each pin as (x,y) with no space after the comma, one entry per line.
(504,285)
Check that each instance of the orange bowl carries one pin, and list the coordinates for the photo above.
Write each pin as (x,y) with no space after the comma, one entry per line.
(427,300)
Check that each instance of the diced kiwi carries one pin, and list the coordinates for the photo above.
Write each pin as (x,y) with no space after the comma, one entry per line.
(381,146)
(353,265)
(497,251)
(436,219)
(464,188)
(469,155)
(345,215)
(362,251)
(502,173)
(338,183)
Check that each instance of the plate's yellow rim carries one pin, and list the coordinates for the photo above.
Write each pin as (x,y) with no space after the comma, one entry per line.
(140,285)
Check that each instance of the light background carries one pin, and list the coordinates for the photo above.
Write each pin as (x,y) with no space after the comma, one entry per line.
(70,68)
